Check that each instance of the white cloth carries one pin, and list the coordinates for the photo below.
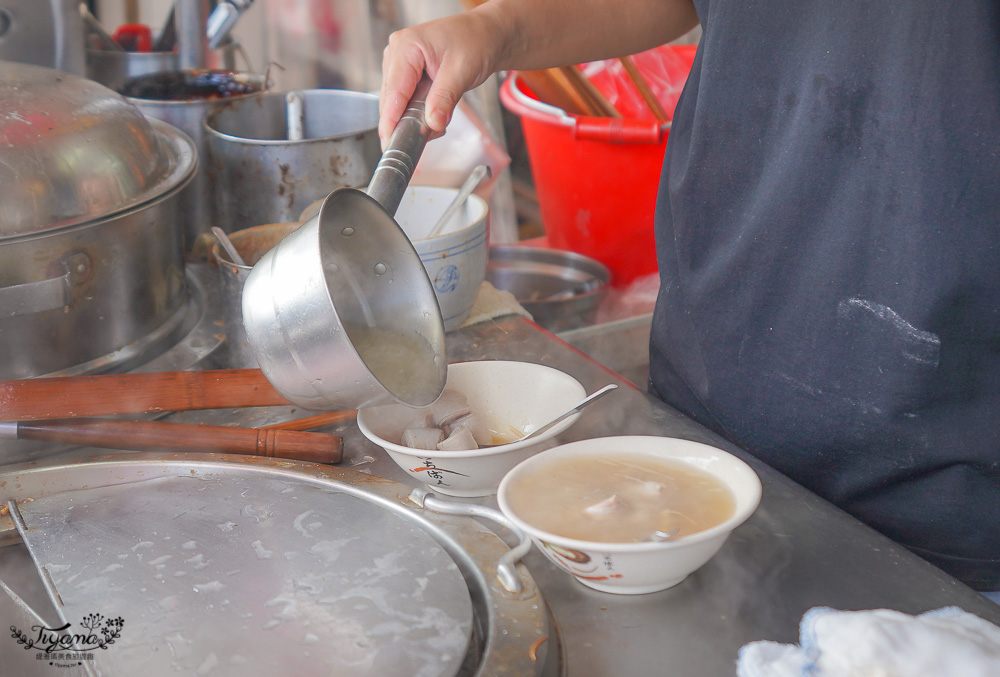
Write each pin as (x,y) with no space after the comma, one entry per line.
(947,642)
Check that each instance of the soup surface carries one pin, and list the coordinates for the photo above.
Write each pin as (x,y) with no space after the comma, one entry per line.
(620,500)
(403,363)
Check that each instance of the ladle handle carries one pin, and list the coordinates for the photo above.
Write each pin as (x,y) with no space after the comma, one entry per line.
(395,169)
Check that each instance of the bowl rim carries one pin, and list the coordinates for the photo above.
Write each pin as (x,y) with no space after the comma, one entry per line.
(590,447)
(481,222)
(392,447)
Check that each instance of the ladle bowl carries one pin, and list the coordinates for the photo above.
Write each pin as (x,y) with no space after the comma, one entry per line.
(341,313)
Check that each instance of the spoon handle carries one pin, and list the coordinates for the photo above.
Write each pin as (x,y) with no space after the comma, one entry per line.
(228,246)
(477,175)
(569,412)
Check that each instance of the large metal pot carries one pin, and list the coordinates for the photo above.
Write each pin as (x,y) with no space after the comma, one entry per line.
(112,67)
(270,160)
(91,261)
(183,99)
(43,32)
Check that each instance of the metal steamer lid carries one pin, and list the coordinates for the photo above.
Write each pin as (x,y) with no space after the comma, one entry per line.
(76,152)
(280,567)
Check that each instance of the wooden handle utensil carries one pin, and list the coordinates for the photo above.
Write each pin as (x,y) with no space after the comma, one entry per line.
(639,81)
(166,436)
(139,393)
(587,90)
(314,422)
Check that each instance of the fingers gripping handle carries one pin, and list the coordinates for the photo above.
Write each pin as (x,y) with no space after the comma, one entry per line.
(395,169)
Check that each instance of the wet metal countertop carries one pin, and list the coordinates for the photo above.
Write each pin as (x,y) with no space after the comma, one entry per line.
(796,552)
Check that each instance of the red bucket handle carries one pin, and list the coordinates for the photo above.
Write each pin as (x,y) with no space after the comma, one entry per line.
(609,130)
(620,130)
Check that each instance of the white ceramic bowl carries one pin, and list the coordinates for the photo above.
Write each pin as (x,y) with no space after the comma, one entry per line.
(637,568)
(455,259)
(519,394)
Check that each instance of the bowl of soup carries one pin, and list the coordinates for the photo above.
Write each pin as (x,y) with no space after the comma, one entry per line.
(630,514)
(462,444)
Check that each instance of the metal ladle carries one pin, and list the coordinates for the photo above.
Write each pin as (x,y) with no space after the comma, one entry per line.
(318,306)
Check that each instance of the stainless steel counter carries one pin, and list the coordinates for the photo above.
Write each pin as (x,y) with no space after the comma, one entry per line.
(795,552)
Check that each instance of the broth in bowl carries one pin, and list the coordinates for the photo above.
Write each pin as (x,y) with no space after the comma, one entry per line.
(592,507)
(624,499)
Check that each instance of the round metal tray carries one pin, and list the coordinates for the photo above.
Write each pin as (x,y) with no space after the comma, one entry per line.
(220,564)
(561,289)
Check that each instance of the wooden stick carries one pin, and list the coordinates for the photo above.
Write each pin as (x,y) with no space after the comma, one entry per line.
(109,394)
(552,87)
(582,84)
(167,436)
(637,78)
(313,422)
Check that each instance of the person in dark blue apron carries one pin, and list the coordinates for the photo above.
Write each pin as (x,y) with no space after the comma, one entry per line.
(827,236)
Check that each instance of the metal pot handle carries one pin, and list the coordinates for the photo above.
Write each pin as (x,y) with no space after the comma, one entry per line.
(49,294)
(506,569)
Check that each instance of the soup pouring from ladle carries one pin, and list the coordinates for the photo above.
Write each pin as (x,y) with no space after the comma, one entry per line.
(341,313)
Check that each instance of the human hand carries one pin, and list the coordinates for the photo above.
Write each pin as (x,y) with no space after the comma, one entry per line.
(457,52)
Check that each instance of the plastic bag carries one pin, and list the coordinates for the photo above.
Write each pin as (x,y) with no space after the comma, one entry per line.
(449,159)
(664,68)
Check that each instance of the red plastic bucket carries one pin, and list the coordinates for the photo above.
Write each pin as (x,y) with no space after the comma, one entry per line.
(596,180)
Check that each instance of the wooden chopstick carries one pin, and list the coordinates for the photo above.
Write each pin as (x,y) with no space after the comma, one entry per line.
(637,78)
(167,436)
(314,422)
(582,84)
(551,86)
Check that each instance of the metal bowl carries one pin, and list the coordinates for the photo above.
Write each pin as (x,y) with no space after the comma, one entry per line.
(75,151)
(561,289)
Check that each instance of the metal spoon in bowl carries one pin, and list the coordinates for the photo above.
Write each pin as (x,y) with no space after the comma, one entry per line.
(658,536)
(478,174)
(569,412)
(228,245)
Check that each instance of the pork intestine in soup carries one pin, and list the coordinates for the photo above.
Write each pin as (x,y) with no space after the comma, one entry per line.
(622,499)
(403,362)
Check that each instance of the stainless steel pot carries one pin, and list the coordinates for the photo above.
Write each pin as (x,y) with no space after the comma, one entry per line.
(91,263)
(250,244)
(112,68)
(264,170)
(184,99)
(43,32)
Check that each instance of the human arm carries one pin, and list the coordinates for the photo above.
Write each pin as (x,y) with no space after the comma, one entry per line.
(460,52)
